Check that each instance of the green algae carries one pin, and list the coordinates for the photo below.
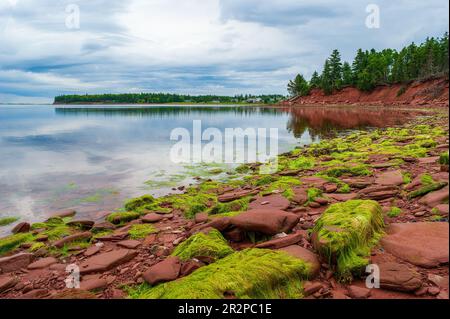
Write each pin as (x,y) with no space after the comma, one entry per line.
(10,243)
(443,158)
(238,205)
(358,170)
(344,189)
(283,184)
(427,189)
(122,217)
(345,234)
(394,212)
(211,244)
(312,194)
(140,231)
(248,274)
(8,220)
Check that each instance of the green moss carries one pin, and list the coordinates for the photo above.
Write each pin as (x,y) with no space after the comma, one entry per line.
(141,231)
(264,180)
(242,169)
(427,189)
(301,163)
(12,242)
(238,205)
(443,159)
(212,245)
(8,220)
(426,179)
(139,203)
(346,233)
(358,170)
(37,246)
(313,193)
(407,178)
(394,212)
(284,184)
(251,273)
(122,217)
(344,189)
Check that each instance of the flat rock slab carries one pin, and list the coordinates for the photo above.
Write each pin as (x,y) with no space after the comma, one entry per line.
(422,244)
(15,262)
(305,255)
(152,218)
(343,197)
(106,261)
(21,228)
(275,201)
(390,178)
(313,181)
(75,237)
(429,160)
(91,251)
(266,221)
(130,244)
(167,270)
(231,196)
(43,263)
(93,284)
(201,218)
(64,213)
(399,277)
(281,242)
(7,282)
(435,198)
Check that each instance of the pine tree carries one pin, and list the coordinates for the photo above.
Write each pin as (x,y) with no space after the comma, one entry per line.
(336,70)
(326,78)
(347,74)
(315,81)
(299,86)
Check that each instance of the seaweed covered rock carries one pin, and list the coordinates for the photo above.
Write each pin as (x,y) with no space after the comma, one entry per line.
(251,273)
(211,244)
(345,233)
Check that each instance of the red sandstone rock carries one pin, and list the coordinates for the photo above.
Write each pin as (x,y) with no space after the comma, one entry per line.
(269,222)
(231,196)
(394,276)
(275,201)
(106,261)
(130,244)
(21,228)
(15,262)
(152,218)
(43,263)
(390,178)
(305,255)
(75,237)
(435,198)
(283,241)
(167,270)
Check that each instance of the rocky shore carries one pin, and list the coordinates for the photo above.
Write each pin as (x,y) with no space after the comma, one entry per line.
(377,197)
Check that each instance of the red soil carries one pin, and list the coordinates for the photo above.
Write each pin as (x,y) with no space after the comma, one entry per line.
(434,92)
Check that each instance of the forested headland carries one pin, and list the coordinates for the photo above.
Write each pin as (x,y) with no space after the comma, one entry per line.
(166,98)
(369,69)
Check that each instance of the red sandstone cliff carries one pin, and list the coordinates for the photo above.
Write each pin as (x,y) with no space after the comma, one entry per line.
(434,92)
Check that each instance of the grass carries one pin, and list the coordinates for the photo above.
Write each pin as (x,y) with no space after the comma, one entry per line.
(141,231)
(248,274)
(346,232)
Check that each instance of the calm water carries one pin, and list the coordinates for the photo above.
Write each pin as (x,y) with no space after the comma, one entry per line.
(92,158)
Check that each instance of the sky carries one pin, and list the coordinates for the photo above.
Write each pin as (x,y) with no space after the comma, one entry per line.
(223,47)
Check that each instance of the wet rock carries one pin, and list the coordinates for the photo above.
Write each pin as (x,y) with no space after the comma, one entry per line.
(167,270)
(275,201)
(391,178)
(379,192)
(300,196)
(269,222)
(64,213)
(82,223)
(236,235)
(305,255)
(106,261)
(422,244)
(130,244)
(152,218)
(310,288)
(322,201)
(343,197)
(43,263)
(330,188)
(41,238)
(15,262)
(201,218)
(91,251)
(21,228)
(190,266)
(399,277)
(314,205)
(285,241)
(435,198)
(314,181)
(7,282)
(231,196)
(75,237)
(74,294)
(358,292)
(101,226)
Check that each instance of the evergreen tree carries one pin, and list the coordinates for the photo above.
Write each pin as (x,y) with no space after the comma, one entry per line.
(315,80)
(336,70)
(326,78)
(347,74)
(299,86)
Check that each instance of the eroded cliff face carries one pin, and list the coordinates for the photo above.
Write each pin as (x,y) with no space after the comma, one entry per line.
(433,92)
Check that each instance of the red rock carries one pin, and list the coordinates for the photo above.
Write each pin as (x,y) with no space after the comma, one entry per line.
(73,294)
(379,192)
(435,198)
(35,294)
(106,261)
(236,235)
(266,221)
(399,277)
(281,242)
(91,251)
(322,201)
(337,294)
(443,209)
(150,240)
(305,255)
(7,282)
(310,288)
(428,160)
(442,295)
(358,292)
(130,244)
(43,263)
(167,270)
(300,196)
(64,213)
(330,188)
(75,237)
(434,291)
(218,223)
(314,205)
(275,201)
(190,266)
(201,218)
(82,223)
(93,284)
(103,226)
(313,181)
(152,218)
(343,197)
(41,238)
(15,262)
(58,267)
(391,178)
(422,244)
(21,228)
(439,281)
(231,196)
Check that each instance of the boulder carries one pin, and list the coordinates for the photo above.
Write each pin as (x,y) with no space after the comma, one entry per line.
(167,270)
(15,262)
(390,178)
(266,221)
(152,218)
(358,292)
(93,284)
(42,263)
(423,244)
(399,277)
(106,261)
(21,228)
(300,196)
(275,201)
(231,196)
(75,237)
(130,244)
(284,241)
(305,255)
(64,213)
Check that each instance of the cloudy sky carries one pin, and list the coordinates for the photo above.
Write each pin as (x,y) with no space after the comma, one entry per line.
(190,46)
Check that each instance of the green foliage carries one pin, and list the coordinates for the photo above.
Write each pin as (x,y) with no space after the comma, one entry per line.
(299,86)
(301,163)
(346,232)
(394,212)
(344,189)
(143,202)
(122,217)
(313,193)
(426,179)
(8,220)
(443,159)
(141,231)
(211,245)
(358,170)
(248,274)
(238,205)
(12,242)
(427,189)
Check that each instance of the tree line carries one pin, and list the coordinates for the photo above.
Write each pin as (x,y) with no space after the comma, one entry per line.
(164,98)
(371,68)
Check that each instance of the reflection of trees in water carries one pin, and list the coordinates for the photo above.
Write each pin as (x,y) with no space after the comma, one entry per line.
(324,122)
(164,111)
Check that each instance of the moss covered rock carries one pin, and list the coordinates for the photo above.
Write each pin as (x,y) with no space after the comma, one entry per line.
(346,232)
(251,273)
(211,244)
